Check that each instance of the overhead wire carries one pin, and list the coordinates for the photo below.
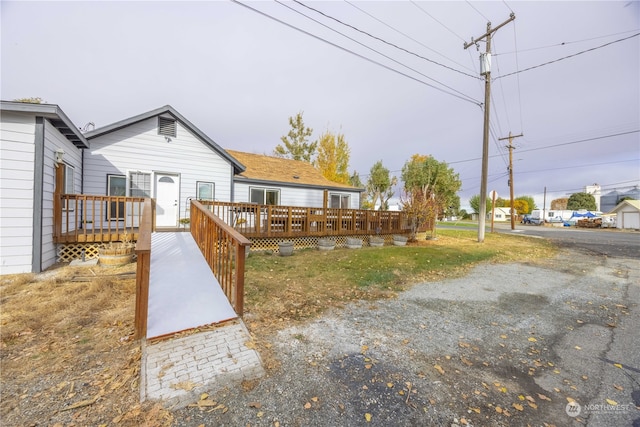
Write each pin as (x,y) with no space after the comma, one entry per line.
(432,17)
(376,51)
(383,40)
(568,56)
(565,43)
(479,13)
(387,67)
(405,35)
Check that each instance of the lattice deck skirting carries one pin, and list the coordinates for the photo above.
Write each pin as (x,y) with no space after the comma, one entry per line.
(259,244)
(68,252)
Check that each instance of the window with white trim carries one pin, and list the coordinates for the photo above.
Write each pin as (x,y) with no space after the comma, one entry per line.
(339,201)
(116,187)
(139,184)
(264,196)
(69,186)
(205,190)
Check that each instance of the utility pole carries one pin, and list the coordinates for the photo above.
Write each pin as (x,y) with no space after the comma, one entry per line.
(485,69)
(511,148)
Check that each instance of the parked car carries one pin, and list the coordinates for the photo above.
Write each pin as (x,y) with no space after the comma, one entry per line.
(526,219)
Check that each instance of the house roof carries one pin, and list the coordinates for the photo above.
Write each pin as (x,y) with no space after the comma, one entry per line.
(167,109)
(277,170)
(54,114)
(632,203)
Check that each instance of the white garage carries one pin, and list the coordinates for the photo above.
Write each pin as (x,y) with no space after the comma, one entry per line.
(628,214)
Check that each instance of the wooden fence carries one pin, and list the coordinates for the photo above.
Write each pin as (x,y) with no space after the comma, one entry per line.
(224,250)
(253,220)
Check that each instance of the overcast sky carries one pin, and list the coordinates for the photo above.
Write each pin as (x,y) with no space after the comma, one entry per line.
(238,75)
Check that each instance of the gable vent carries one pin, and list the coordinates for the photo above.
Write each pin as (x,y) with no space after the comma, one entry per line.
(166,126)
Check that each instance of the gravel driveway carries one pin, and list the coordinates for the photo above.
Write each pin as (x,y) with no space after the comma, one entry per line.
(509,344)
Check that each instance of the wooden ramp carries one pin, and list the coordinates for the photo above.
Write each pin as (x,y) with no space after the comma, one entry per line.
(183,292)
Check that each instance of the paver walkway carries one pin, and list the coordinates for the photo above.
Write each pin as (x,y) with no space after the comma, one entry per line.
(176,371)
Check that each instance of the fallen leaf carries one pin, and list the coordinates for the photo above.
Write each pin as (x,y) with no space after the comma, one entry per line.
(439,369)
(476,410)
(611,402)
(367,417)
(570,399)
(203,396)
(250,344)
(617,365)
(518,406)
(368,366)
(184,385)
(530,399)
(618,387)
(578,347)
(307,405)
(260,414)
(390,385)
(364,349)
(503,389)
(533,405)
(315,398)
(256,405)
(498,409)
(521,397)
(463,421)
(206,403)
(466,361)
(532,339)
(503,336)
(543,397)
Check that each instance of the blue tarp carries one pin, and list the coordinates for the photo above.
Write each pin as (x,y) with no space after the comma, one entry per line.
(584,215)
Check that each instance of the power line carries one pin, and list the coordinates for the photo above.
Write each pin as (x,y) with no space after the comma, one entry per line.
(568,56)
(578,166)
(431,16)
(553,146)
(344,49)
(406,35)
(372,49)
(384,41)
(564,43)
(479,13)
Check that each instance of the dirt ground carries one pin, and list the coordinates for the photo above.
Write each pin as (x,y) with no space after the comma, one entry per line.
(507,344)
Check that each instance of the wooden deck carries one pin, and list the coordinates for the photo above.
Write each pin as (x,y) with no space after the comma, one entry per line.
(183,292)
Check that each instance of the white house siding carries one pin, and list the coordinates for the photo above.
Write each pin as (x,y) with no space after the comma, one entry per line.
(17,152)
(628,217)
(138,147)
(294,196)
(53,141)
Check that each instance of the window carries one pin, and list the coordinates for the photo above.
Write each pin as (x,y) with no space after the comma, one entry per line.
(167,126)
(264,196)
(116,186)
(139,184)
(339,201)
(205,190)
(69,188)
(68,179)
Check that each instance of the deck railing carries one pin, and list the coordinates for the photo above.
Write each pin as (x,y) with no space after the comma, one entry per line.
(89,218)
(253,220)
(143,268)
(224,250)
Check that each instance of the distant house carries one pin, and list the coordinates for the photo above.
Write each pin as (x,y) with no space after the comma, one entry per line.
(500,214)
(159,154)
(628,214)
(277,181)
(36,141)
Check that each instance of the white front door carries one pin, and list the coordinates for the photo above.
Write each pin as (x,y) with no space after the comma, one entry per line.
(167,199)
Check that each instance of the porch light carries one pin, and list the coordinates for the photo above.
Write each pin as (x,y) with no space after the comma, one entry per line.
(59,154)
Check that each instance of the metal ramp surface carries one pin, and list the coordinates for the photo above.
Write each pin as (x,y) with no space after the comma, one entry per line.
(183,292)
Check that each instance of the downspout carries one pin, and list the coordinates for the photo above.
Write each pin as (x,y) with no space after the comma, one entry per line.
(38,196)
